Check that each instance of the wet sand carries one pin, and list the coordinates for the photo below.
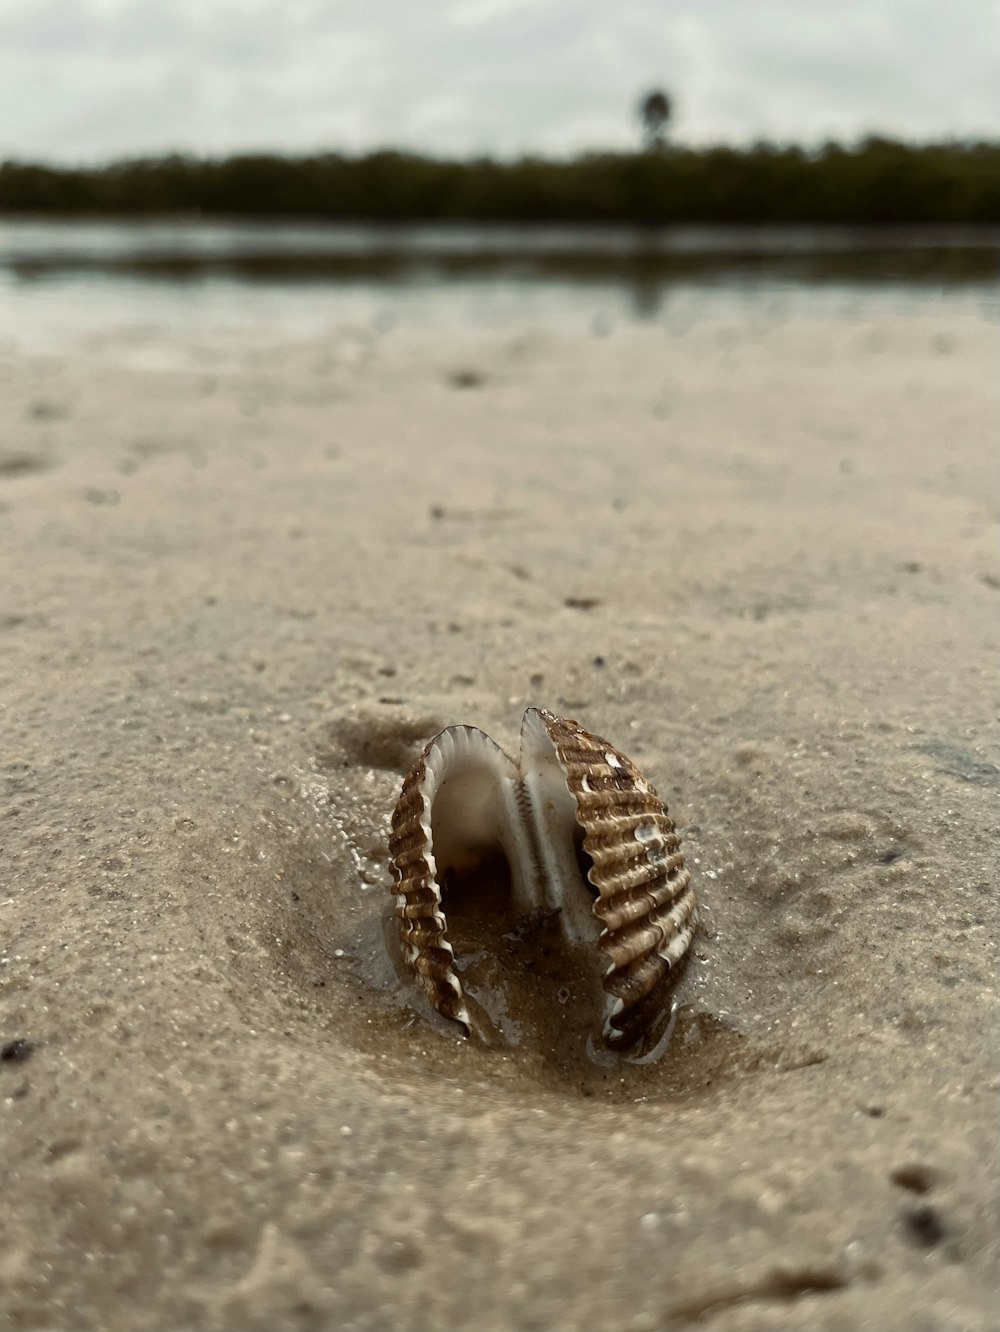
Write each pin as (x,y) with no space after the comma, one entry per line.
(243,579)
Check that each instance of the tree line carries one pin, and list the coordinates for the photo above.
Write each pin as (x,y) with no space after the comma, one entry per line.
(875,182)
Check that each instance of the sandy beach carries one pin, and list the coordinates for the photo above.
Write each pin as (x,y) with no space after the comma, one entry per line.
(244,577)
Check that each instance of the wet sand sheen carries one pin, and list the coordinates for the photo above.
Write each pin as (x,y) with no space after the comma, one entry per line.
(245,579)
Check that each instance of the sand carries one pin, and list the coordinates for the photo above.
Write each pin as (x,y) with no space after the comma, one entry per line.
(244,577)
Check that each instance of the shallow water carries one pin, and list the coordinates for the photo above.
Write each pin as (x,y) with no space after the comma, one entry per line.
(62,281)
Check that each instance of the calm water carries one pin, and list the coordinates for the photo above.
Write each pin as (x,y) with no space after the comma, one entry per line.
(62,281)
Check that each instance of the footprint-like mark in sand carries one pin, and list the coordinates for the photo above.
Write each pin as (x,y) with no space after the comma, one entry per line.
(296,903)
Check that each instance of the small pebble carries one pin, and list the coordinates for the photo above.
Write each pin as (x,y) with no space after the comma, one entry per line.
(16,1051)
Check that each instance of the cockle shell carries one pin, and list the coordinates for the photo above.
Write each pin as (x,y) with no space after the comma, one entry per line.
(628,895)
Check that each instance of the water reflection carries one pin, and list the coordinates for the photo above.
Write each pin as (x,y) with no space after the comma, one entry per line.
(178,249)
(63,279)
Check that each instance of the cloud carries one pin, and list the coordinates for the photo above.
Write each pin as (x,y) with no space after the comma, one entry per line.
(84,79)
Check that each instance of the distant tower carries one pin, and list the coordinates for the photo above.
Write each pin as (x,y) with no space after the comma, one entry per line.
(654,112)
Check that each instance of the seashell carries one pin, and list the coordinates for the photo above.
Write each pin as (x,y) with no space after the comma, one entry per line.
(586,839)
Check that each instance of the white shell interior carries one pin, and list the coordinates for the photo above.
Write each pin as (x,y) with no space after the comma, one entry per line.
(476,800)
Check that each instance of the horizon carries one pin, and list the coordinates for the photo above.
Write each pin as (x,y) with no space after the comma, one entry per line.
(91,82)
(809,149)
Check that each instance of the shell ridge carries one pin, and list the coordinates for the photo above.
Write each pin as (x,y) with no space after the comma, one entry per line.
(643,943)
(418,904)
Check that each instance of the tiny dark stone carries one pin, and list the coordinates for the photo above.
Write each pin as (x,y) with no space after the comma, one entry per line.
(16,1051)
(913,1176)
(875,1111)
(582,603)
(465,379)
(924,1226)
(599,662)
(437,511)
(887,857)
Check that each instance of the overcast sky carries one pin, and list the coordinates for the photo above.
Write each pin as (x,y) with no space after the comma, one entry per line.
(88,79)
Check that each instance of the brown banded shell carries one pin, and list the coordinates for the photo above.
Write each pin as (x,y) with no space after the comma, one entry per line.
(585,837)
